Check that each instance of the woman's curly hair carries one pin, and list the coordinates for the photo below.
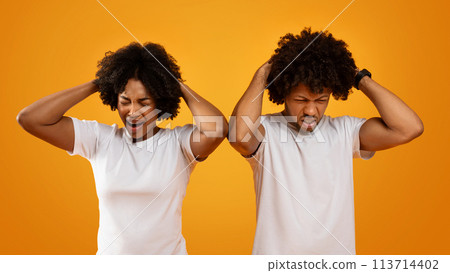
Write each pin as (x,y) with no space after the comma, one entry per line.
(146,63)
(325,63)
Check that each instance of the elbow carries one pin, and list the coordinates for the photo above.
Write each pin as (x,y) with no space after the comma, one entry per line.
(244,148)
(420,129)
(241,144)
(222,132)
(23,119)
(236,145)
(26,120)
(414,132)
(417,130)
(213,134)
(219,134)
(225,129)
(19,118)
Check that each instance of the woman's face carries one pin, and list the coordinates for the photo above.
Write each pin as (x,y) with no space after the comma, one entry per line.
(137,109)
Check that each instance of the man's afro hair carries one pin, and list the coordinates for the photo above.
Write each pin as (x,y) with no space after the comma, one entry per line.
(324,62)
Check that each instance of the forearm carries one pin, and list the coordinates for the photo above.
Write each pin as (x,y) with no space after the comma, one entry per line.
(50,109)
(397,116)
(206,115)
(249,106)
(250,103)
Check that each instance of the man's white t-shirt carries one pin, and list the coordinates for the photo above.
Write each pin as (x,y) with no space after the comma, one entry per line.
(304,187)
(140,186)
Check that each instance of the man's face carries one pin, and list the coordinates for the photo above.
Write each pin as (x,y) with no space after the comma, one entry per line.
(135,106)
(306,106)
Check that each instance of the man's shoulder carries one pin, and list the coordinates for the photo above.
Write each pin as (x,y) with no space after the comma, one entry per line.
(272,117)
(344,119)
(346,122)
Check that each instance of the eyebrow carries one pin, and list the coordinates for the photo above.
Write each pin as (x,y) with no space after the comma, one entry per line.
(322,97)
(125,98)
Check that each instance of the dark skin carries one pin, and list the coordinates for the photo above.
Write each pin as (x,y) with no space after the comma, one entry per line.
(45,118)
(398,123)
(134,106)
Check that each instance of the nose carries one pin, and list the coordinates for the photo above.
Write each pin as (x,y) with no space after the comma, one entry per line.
(310,109)
(134,110)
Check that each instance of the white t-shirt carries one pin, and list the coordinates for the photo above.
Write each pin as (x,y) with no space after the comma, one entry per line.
(140,186)
(304,187)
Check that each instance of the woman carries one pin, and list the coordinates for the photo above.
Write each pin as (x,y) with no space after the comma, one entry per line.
(141,170)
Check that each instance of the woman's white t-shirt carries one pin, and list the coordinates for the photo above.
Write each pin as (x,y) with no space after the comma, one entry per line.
(304,187)
(140,186)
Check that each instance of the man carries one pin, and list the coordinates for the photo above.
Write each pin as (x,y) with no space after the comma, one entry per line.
(301,158)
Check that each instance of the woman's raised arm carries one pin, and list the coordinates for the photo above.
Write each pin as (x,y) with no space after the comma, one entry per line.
(45,118)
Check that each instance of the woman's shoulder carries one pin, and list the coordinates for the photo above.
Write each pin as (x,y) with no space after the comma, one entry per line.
(178,129)
(99,128)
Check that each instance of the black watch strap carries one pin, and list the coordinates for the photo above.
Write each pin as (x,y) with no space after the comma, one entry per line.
(361,74)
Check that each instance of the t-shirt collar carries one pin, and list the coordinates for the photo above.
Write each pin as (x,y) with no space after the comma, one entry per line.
(149,141)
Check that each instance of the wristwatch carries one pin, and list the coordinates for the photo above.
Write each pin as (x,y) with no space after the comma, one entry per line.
(361,74)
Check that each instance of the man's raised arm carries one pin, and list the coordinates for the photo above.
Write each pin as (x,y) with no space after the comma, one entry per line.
(246,132)
(397,125)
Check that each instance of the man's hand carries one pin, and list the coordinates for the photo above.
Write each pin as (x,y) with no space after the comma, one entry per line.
(264,71)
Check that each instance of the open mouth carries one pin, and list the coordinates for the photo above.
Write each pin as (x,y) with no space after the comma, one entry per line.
(134,127)
(131,124)
(308,122)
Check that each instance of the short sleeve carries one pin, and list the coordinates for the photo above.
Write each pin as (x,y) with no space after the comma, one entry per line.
(258,153)
(356,124)
(87,136)
(184,139)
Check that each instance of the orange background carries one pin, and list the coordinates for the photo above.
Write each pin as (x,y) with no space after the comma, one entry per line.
(48,203)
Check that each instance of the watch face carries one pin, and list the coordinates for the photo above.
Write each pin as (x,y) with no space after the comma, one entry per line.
(366,72)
